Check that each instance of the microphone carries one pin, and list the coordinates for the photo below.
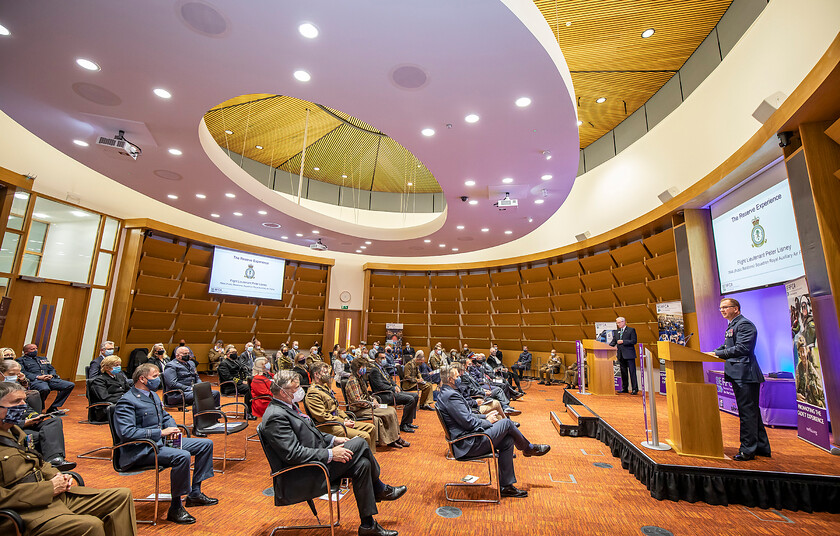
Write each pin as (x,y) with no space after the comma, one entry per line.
(690,335)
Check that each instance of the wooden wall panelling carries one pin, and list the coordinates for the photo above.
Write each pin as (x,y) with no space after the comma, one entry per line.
(536,304)
(445,281)
(603,314)
(159,286)
(308,314)
(194,290)
(506,292)
(143,336)
(570,317)
(566,269)
(384,293)
(507,306)
(634,294)
(195,322)
(599,298)
(197,273)
(273,311)
(536,289)
(476,319)
(632,252)
(531,275)
(476,293)
(660,243)
(238,338)
(227,308)
(475,280)
(635,313)
(506,319)
(663,265)
(308,302)
(506,332)
(567,301)
(148,302)
(298,326)
(631,273)
(412,318)
(476,332)
(272,325)
(444,306)
(384,280)
(597,262)
(438,332)
(474,306)
(414,293)
(537,333)
(272,340)
(151,320)
(416,332)
(310,288)
(164,249)
(383,306)
(667,288)
(196,338)
(599,280)
(198,256)
(311,274)
(236,323)
(445,319)
(537,319)
(413,307)
(447,294)
(160,267)
(414,281)
(569,333)
(567,285)
(505,278)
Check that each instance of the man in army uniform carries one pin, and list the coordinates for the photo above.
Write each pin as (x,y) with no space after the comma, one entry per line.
(46,499)
(553,366)
(322,406)
(413,380)
(215,356)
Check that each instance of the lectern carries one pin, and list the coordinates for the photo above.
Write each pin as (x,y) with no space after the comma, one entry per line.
(601,371)
(693,415)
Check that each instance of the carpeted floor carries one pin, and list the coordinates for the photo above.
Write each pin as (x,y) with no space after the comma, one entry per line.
(568,493)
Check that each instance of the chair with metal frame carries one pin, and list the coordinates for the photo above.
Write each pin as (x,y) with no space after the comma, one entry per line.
(288,492)
(17,521)
(91,409)
(124,471)
(258,397)
(206,420)
(235,396)
(182,407)
(491,459)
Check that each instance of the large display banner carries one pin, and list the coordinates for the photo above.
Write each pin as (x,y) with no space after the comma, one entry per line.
(671,328)
(394,336)
(810,390)
(604,333)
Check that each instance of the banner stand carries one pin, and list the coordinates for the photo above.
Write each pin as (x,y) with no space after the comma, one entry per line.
(649,403)
(581,360)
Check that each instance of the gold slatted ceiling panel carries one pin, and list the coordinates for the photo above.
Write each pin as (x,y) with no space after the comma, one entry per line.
(604,38)
(370,161)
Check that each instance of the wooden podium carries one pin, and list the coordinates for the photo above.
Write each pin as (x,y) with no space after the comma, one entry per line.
(693,415)
(601,371)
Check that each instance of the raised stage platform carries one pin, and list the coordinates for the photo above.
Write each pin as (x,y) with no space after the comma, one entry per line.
(798,476)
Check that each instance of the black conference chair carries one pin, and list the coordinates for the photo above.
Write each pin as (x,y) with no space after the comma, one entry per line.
(491,459)
(177,394)
(206,418)
(97,414)
(14,518)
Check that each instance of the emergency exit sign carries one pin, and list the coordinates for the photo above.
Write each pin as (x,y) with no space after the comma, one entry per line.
(345,306)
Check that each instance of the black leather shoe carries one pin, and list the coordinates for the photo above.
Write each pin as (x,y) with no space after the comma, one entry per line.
(511,491)
(395,445)
(741,457)
(180,516)
(251,418)
(427,407)
(406,429)
(391,493)
(376,530)
(513,412)
(201,500)
(402,442)
(538,450)
(635,392)
(766,455)
(61,464)
(624,391)
(412,426)
(517,425)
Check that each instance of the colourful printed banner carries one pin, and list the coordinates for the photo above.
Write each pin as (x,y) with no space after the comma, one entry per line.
(671,328)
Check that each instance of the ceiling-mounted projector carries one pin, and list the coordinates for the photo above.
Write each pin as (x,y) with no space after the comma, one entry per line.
(318,246)
(507,202)
(120,144)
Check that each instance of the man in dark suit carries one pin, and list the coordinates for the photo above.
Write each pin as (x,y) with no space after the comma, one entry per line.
(389,393)
(742,371)
(180,373)
(624,339)
(517,370)
(140,415)
(503,433)
(294,440)
(43,377)
(106,349)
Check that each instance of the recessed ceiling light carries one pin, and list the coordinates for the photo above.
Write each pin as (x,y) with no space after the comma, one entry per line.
(237,213)
(21,195)
(368,242)
(201,196)
(441,245)
(260,147)
(284,237)
(469,183)
(454,249)
(316,169)
(4,30)
(460,227)
(472,118)
(473,201)
(162,93)
(214,215)
(78,213)
(601,100)
(228,132)
(358,251)
(579,122)
(647,33)
(87,64)
(426,241)
(230,195)
(308,30)
(362,247)
(298,235)
(315,231)
(40,215)
(547,177)
(262,212)
(302,76)
(507,180)
(428,132)
(271,225)
(176,152)
(523,102)
(508,232)
(539,201)
(344,176)
(411,184)
(530,220)
(568,23)
(485,230)
(81,143)
(172,196)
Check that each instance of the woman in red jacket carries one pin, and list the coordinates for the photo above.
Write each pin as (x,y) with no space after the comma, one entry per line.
(260,386)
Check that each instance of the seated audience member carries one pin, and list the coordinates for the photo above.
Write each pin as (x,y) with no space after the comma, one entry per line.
(292,439)
(215,355)
(259,351)
(389,393)
(313,358)
(48,501)
(522,364)
(260,386)
(366,406)
(374,351)
(341,367)
(476,402)
(485,374)
(302,370)
(139,415)
(454,356)
(293,352)
(281,359)
(438,358)
(391,357)
(571,377)
(47,433)
(413,380)
(108,386)
(466,352)
(105,349)
(247,357)
(408,352)
(43,377)
(7,353)
(504,434)
(235,376)
(322,405)
(180,374)
(553,366)
(472,386)
(158,357)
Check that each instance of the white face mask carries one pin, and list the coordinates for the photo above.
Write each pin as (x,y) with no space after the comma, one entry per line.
(299,394)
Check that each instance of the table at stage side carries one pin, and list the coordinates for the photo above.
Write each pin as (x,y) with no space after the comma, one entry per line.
(777,401)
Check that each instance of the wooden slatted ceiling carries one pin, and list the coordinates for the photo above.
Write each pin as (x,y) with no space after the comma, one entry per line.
(608,58)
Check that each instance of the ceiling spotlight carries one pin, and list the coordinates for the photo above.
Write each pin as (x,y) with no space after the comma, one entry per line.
(358,251)
(315,231)
(316,169)
(601,100)
(411,184)
(237,213)
(214,215)
(298,235)
(454,249)
(308,30)
(228,132)
(368,242)
(442,245)
(473,201)
(260,147)
(472,118)
(271,225)
(579,122)
(523,102)
(284,237)
(201,196)
(81,143)
(230,195)
(87,64)
(162,93)
(547,155)
(428,132)
(507,180)
(172,196)
(262,212)
(426,241)
(344,176)
(547,177)
(539,201)
(508,232)
(302,76)
(176,152)
(469,183)
(485,230)
(530,220)
(460,227)
(362,247)
(4,30)
(647,33)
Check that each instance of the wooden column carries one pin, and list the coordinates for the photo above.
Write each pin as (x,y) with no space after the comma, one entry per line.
(123,286)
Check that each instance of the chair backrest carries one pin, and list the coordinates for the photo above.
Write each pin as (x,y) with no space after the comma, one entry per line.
(87,371)
(33,398)
(300,485)
(115,439)
(401,371)
(203,401)
(443,425)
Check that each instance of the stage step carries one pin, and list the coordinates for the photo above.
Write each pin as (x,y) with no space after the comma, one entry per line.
(580,413)
(564,424)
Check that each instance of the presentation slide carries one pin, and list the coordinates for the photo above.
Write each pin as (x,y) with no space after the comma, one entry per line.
(237,273)
(756,242)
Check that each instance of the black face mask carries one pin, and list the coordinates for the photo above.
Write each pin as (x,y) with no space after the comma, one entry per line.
(160,352)
(33,353)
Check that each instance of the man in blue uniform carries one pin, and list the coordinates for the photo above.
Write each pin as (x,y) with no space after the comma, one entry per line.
(43,377)
(180,373)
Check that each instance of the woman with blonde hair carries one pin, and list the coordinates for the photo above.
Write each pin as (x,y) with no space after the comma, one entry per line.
(7,353)
(260,386)
(109,386)
(158,357)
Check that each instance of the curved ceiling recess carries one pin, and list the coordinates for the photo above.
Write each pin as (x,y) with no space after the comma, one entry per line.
(442,78)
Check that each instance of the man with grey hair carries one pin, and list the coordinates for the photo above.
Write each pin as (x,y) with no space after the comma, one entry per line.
(180,373)
(624,339)
(105,349)
(292,439)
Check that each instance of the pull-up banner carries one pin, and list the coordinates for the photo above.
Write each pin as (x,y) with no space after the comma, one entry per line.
(671,328)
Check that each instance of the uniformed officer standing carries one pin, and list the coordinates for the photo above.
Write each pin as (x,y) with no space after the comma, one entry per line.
(43,377)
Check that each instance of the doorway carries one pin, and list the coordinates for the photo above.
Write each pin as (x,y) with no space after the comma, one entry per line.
(343,327)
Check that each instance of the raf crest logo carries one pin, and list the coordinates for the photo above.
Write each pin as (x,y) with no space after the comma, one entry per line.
(757,234)
(250,273)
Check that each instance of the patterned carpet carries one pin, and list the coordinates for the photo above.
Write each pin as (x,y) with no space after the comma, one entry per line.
(568,494)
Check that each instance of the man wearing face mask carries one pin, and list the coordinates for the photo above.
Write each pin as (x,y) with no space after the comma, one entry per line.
(140,415)
(234,377)
(292,439)
(247,357)
(258,349)
(383,386)
(322,405)
(293,352)
(215,355)
(105,349)
(43,377)
(48,501)
(180,374)
(553,366)
(374,351)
